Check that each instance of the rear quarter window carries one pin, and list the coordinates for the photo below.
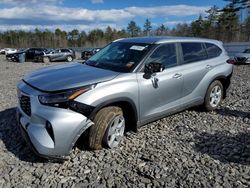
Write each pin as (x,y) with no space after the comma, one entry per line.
(212,50)
(193,52)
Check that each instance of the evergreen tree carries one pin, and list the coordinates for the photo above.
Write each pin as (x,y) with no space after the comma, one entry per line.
(162,30)
(196,27)
(133,29)
(147,27)
(228,23)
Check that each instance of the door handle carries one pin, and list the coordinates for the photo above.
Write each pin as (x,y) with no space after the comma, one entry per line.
(154,81)
(177,75)
(208,67)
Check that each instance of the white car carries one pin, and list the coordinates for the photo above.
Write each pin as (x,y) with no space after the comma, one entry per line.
(2,51)
(243,57)
(10,50)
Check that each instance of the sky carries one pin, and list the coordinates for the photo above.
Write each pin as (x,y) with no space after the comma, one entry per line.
(90,14)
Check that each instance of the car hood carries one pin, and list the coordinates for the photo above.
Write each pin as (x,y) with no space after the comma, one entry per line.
(67,76)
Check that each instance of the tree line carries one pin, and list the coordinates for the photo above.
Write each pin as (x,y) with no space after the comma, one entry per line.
(221,24)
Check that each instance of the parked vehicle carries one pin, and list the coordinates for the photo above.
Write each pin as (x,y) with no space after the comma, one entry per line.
(88,53)
(2,51)
(30,54)
(63,54)
(10,51)
(243,57)
(129,83)
(6,51)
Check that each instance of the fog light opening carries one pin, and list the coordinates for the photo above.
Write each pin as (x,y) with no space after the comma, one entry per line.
(49,129)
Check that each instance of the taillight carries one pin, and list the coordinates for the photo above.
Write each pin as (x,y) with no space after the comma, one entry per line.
(231,61)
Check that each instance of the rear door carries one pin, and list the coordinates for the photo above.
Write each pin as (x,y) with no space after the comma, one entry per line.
(56,55)
(163,90)
(194,66)
(64,53)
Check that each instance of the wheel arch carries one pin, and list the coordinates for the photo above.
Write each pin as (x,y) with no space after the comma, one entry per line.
(225,81)
(69,55)
(128,107)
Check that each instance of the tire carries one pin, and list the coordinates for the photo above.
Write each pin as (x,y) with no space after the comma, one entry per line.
(46,59)
(214,96)
(69,58)
(103,131)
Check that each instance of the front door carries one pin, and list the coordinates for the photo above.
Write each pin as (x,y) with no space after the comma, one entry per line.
(162,92)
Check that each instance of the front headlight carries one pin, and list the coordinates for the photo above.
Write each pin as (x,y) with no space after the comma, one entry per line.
(63,97)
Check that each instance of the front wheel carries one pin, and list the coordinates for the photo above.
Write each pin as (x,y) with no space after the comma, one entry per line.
(214,96)
(108,128)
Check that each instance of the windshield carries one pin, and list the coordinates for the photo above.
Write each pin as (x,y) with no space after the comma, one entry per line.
(119,56)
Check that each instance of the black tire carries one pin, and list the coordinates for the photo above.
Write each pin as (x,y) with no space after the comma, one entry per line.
(102,121)
(69,58)
(46,59)
(207,102)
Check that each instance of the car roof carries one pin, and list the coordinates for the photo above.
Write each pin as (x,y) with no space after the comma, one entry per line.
(165,39)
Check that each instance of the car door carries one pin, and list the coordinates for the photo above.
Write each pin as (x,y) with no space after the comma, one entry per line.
(194,66)
(56,55)
(29,54)
(162,92)
(64,53)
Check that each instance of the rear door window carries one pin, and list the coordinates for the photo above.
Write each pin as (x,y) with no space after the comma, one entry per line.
(212,50)
(193,52)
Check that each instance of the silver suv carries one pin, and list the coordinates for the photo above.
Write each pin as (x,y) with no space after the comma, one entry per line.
(57,55)
(127,84)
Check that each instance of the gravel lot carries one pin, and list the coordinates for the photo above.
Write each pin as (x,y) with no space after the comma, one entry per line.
(189,149)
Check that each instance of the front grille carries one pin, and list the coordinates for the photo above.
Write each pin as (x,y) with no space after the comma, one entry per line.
(25,104)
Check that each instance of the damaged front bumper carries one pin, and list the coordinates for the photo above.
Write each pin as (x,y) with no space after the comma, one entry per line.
(50,131)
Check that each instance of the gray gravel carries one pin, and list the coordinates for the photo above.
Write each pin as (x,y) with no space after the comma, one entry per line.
(189,149)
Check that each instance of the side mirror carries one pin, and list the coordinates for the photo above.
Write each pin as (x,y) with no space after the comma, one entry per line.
(151,68)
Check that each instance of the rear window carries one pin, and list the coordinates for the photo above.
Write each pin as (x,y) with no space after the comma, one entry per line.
(212,50)
(193,52)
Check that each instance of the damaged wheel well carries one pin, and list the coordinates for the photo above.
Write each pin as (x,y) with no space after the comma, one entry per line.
(129,112)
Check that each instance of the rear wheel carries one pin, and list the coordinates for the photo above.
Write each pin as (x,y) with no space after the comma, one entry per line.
(69,58)
(108,128)
(214,96)
(46,59)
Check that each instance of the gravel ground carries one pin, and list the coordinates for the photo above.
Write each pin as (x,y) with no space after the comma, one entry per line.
(189,149)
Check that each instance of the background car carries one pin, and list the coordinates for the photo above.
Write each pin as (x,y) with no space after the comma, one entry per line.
(30,54)
(64,54)
(88,53)
(6,51)
(2,51)
(10,50)
(243,57)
